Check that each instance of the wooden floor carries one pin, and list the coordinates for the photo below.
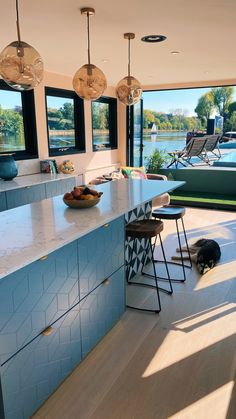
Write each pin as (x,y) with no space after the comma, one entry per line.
(179,364)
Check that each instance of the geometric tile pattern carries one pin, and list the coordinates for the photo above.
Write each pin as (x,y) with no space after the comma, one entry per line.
(140,213)
(34,296)
(34,373)
(100,253)
(101,310)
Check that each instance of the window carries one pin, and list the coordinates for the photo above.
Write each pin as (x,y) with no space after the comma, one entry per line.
(65,122)
(104,124)
(17,123)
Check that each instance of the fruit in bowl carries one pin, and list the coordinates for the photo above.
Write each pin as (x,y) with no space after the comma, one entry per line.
(82,197)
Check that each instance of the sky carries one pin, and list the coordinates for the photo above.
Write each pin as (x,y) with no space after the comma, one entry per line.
(9,99)
(167,100)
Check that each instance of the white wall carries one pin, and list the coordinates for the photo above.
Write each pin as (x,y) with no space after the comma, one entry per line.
(95,162)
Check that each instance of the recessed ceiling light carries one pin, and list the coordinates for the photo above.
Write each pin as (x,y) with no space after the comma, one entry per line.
(175,52)
(153,38)
(105,60)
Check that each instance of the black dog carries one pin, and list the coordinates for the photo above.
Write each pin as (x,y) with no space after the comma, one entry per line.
(205,253)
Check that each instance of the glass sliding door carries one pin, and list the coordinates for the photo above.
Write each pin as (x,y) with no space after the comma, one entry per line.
(135,134)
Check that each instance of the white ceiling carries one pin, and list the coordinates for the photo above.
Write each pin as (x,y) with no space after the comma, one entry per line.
(204,31)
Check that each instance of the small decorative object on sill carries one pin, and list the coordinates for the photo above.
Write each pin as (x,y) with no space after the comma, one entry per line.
(67,167)
(8,167)
(48,166)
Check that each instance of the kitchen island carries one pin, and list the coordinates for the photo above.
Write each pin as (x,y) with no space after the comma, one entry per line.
(61,287)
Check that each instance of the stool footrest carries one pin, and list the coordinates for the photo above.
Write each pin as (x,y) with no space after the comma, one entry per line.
(173,263)
(142,284)
(143,309)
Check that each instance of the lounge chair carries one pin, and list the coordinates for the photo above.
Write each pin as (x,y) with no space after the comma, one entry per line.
(212,146)
(195,148)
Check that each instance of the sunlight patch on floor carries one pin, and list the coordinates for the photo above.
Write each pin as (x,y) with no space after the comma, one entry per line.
(193,336)
(219,398)
(219,274)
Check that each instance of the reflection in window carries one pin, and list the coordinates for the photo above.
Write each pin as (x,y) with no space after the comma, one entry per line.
(104,124)
(17,122)
(64,121)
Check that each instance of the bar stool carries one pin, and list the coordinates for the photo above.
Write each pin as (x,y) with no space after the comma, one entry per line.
(174,212)
(147,229)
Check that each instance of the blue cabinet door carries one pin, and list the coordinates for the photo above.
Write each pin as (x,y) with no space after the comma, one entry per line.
(23,196)
(31,376)
(59,187)
(100,254)
(35,296)
(3,202)
(101,310)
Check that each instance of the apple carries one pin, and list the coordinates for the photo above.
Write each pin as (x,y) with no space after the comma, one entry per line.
(68,196)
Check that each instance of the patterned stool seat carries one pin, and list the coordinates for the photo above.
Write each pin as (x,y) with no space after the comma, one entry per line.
(144,229)
(169,212)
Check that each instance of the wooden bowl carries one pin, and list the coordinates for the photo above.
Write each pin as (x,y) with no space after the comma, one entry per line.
(81,203)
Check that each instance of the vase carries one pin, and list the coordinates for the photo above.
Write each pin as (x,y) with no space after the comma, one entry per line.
(8,167)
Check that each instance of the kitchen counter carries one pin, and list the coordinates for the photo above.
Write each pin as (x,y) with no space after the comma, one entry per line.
(31,180)
(32,231)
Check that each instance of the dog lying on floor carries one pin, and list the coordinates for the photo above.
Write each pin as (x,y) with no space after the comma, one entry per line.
(205,253)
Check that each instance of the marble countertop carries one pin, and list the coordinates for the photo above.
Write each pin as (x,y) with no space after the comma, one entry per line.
(30,180)
(32,231)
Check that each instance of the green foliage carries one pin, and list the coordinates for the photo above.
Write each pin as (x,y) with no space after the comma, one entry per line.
(100,116)
(170,122)
(222,97)
(61,119)
(204,107)
(11,123)
(156,161)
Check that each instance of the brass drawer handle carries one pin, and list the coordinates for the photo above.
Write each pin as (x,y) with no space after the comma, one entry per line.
(48,331)
(44,257)
(106,281)
(106,225)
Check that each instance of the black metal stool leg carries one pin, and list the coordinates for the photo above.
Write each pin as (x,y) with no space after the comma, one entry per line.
(148,245)
(155,276)
(181,252)
(186,242)
(166,265)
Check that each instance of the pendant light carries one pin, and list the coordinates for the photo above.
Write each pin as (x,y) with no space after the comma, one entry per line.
(129,90)
(89,81)
(21,66)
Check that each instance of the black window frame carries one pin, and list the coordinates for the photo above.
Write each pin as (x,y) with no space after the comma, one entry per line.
(78,121)
(29,122)
(112,102)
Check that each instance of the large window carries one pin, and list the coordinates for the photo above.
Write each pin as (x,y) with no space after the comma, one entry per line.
(17,123)
(104,123)
(65,122)
(168,115)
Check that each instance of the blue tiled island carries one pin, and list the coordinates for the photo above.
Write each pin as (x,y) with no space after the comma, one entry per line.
(62,288)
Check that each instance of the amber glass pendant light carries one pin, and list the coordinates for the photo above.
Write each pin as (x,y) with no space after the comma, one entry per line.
(21,66)
(129,90)
(89,81)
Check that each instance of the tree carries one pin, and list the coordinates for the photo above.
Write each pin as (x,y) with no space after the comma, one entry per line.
(222,97)
(204,107)
(148,118)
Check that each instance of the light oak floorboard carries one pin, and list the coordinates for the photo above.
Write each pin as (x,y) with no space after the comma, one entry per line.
(179,364)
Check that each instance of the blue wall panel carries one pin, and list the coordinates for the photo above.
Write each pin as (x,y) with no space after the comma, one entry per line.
(3,202)
(23,196)
(101,310)
(100,254)
(34,373)
(33,297)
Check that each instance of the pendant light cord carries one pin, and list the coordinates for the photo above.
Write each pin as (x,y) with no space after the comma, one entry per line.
(129,72)
(17,22)
(88,38)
